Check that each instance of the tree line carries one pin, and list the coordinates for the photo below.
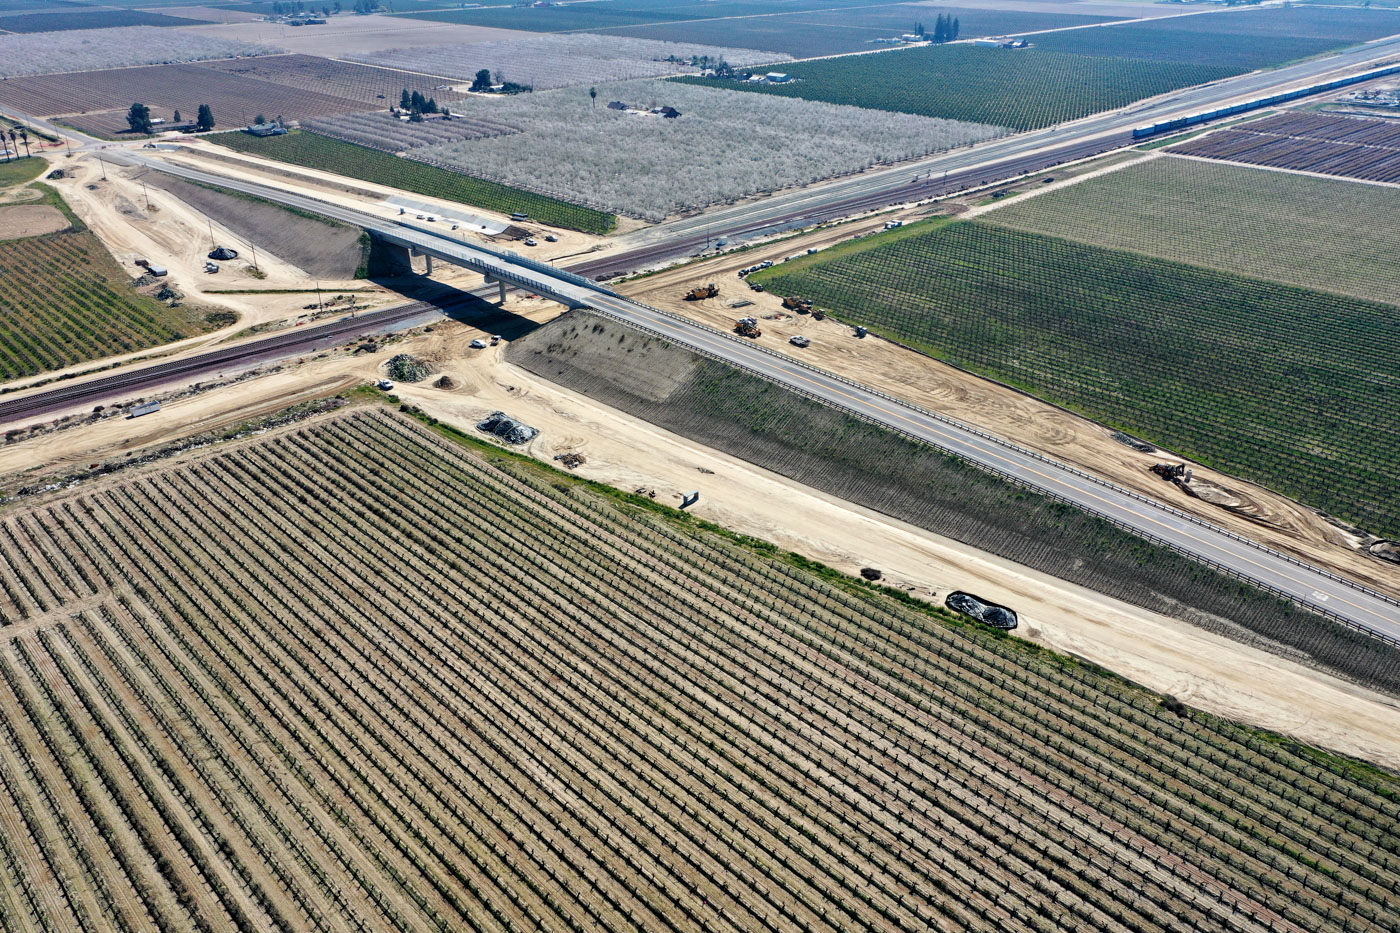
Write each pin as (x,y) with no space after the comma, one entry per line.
(139,118)
(945,29)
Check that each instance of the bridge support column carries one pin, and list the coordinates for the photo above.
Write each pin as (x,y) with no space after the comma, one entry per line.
(429,258)
(500,285)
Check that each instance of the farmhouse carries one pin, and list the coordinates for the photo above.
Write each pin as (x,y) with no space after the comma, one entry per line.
(266,129)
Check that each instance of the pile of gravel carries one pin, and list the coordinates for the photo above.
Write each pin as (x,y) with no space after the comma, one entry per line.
(405,368)
(507,428)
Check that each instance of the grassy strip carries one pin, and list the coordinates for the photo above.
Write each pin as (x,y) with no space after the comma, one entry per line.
(342,158)
(19,171)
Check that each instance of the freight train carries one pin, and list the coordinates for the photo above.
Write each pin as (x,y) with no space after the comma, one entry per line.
(1153,129)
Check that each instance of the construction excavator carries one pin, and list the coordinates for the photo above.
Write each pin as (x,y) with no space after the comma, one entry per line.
(748,327)
(701,292)
(1178,473)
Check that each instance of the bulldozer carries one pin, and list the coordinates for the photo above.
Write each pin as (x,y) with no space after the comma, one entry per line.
(701,292)
(748,327)
(800,305)
(1177,473)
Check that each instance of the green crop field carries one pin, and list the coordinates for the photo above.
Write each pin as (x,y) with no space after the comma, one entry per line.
(1244,40)
(1022,89)
(1334,236)
(357,673)
(1291,388)
(64,300)
(354,161)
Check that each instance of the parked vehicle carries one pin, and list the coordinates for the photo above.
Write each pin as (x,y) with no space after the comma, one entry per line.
(478,344)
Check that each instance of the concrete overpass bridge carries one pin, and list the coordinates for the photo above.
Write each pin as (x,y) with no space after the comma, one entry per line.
(502,268)
(403,240)
(1325,593)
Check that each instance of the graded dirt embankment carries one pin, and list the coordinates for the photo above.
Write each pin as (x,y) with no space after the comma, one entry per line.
(318,247)
(746,416)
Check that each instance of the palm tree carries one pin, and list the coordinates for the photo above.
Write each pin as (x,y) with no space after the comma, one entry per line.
(24,137)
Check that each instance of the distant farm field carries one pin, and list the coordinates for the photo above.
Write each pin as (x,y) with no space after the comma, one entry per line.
(46,52)
(332,155)
(723,146)
(551,61)
(352,672)
(1350,147)
(1242,39)
(1333,236)
(850,29)
(1291,388)
(98,100)
(105,19)
(378,88)
(64,300)
(1022,89)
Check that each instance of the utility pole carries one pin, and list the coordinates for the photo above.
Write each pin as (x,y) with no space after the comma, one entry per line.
(255,254)
(319,306)
(212,244)
(147,195)
(103,163)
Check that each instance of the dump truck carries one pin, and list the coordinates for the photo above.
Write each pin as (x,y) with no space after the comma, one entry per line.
(701,292)
(800,305)
(748,327)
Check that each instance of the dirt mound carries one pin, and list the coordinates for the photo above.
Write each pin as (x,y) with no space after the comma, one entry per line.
(446,382)
(1385,550)
(507,428)
(405,368)
(223,253)
(1233,500)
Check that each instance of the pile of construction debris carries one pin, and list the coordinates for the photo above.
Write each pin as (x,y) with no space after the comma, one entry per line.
(406,368)
(507,428)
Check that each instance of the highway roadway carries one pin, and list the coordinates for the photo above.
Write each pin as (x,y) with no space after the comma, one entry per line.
(982,163)
(1309,586)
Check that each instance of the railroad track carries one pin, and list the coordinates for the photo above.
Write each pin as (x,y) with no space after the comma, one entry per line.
(280,345)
